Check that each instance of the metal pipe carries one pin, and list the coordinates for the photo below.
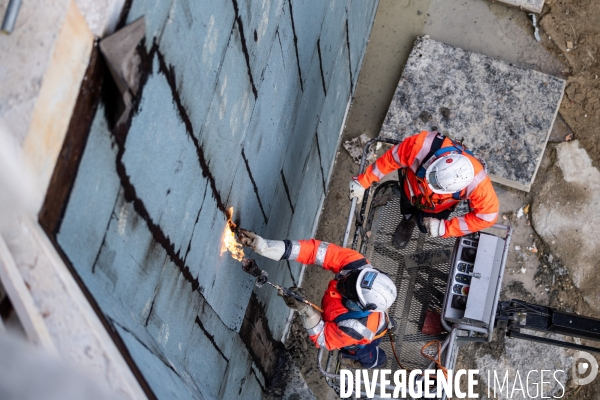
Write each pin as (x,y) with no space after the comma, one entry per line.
(361,218)
(10,16)
(354,200)
(513,334)
(465,327)
(325,373)
(349,224)
(361,168)
(329,359)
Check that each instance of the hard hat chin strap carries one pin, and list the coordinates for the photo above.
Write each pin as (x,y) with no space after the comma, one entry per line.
(354,305)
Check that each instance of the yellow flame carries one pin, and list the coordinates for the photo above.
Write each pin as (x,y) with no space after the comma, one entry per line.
(229,243)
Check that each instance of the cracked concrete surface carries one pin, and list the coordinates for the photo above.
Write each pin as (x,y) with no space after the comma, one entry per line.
(566,218)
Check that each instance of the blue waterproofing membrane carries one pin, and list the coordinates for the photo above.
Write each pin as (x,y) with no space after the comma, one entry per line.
(242,107)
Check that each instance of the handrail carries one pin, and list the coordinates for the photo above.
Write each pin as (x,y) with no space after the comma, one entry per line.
(327,374)
(361,169)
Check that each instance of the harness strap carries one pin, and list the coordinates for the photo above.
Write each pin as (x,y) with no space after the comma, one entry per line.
(359,315)
(352,315)
(435,146)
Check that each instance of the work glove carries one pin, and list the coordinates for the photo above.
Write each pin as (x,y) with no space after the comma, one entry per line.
(292,302)
(273,249)
(356,190)
(435,227)
(309,316)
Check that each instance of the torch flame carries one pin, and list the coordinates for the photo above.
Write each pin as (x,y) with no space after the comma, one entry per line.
(229,243)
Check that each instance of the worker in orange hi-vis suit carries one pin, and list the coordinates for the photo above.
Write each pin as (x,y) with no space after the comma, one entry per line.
(437,173)
(354,317)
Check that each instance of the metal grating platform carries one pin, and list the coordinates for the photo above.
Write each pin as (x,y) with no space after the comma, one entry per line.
(420,271)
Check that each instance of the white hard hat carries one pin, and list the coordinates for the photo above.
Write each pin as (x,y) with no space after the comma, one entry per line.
(449,173)
(376,291)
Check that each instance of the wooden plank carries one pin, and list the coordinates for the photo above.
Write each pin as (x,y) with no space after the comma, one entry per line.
(30,317)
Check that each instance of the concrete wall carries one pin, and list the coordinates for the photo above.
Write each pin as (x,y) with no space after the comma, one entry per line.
(242,106)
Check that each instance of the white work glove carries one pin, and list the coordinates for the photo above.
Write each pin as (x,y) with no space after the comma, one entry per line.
(435,227)
(273,249)
(356,190)
(310,317)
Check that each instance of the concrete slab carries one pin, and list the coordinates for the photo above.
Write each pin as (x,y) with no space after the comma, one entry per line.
(529,5)
(43,63)
(503,112)
(563,219)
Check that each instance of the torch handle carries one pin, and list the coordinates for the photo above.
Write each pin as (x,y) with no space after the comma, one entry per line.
(296,296)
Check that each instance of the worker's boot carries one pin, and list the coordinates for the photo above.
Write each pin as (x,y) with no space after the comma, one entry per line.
(351,364)
(403,232)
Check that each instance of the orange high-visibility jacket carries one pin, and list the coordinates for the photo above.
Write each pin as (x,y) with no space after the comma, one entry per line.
(409,155)
(334,258)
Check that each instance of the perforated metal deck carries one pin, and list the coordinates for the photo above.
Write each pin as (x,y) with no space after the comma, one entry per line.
(420,271)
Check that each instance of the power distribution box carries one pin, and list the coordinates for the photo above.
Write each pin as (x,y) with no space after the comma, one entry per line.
(475,276)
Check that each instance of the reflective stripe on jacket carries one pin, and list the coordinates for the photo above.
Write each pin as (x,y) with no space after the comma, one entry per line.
(336,259)
(409,155)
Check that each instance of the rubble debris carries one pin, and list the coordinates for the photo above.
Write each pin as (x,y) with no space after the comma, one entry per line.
(536,32)
(355,148)
(520,212)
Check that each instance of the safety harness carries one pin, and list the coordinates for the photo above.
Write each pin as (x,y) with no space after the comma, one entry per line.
(422,201)
(360,315)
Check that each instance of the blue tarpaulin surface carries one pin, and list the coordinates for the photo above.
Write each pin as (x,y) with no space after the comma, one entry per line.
(242,107)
